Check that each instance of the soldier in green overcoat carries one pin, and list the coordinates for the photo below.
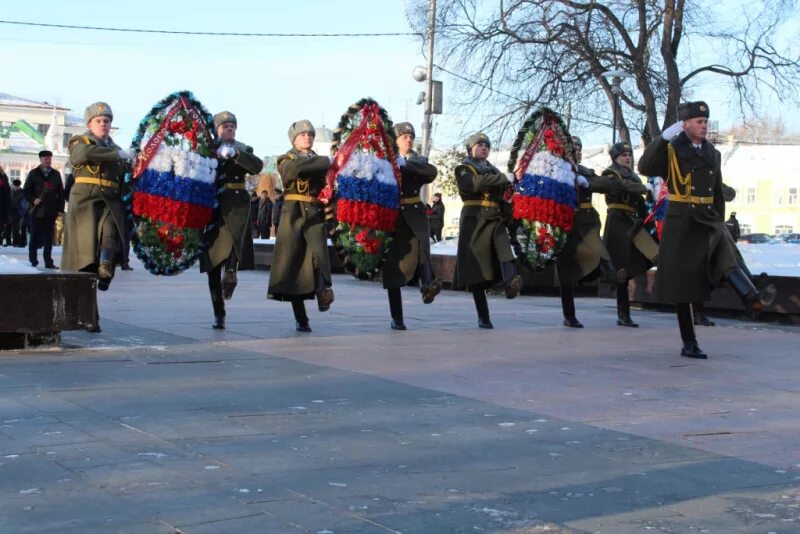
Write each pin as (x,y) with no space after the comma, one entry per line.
(696,252)
(301,267)
(584,250)
(94,230)
(484,253)
(409,250)
(633,251)
(231,248)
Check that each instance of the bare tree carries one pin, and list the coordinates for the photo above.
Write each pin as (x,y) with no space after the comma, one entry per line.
(517,55)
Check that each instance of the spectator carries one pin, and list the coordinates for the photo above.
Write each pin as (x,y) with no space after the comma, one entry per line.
(276,209)
(264,215)
(732,224)
(436,217)
(254,212)
(19,209)
(44,192)
(5,209)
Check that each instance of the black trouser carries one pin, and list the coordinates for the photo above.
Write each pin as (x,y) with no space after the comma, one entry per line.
(623,300)
(19,232)
(215,288)
(481,302)
(299,309)
(215,283)
(42,229)
(436,234)
(395,303)
(5,233)
(685,321)
(567,301)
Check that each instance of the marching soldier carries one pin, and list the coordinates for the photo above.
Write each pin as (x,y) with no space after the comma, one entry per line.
(633,251)
(301,266)
(584,250)
(410,250)
(697,250)
(232,246)
(94,231)
(484,247)
(44,192)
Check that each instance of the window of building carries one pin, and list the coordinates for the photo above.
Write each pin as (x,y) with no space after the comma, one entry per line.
(783,229)
(43,128)
(14,174)
(780,196)
(745,229)
(65,140)
(750,196)
(791,197)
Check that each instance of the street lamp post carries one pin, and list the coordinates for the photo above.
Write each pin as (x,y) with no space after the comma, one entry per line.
(426,123)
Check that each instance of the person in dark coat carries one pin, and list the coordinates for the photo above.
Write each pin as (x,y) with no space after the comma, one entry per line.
(264,219)
(5,209)
(633,251)
(44,192)
(301,268)
(409,251)
(584,251)
(18,213)
(277,206)
(254,205)
(436,217)
(94,230)
(732,224)
(696,249)
(231,247)
(484,253)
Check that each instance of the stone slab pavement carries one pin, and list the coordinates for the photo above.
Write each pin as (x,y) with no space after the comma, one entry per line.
(161,424)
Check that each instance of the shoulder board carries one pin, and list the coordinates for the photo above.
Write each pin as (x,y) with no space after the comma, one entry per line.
(80,139)
(465,168)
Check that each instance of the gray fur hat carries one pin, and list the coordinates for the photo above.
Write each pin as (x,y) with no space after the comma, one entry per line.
(300,127)
(619,148)
(97,109)
(476,138)
(402,128)
(224,116)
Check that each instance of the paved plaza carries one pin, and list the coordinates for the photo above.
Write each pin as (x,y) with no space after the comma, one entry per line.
(162,425)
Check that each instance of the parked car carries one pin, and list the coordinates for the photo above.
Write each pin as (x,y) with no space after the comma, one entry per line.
(789,238)
(755,238)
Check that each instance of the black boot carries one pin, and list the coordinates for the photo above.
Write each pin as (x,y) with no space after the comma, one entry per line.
(744,289)
(300,316)
(429,286)
(686,325)
(568,307)
(324,293)
(106,269)
(396,309)
(624,307)
(513,281)
(700,317)
(482,307)
(230,280)
(217,302)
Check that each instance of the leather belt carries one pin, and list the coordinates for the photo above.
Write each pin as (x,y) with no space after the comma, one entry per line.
(235,185)
(410,200)
(483,203)
(690,199)
(585,206)
(300,198)
(97,181)
(623,207)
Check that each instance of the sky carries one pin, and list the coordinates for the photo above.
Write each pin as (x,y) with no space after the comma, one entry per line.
(268,82)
